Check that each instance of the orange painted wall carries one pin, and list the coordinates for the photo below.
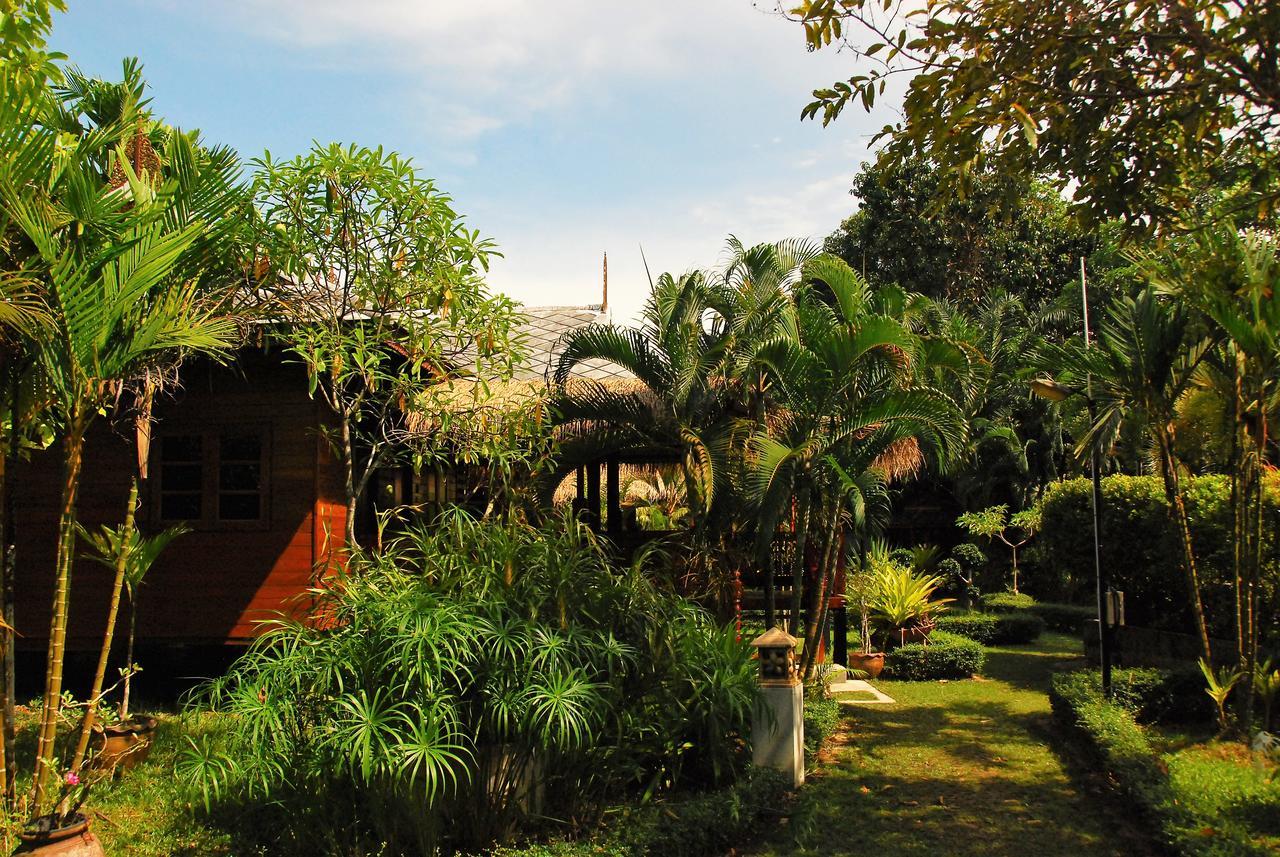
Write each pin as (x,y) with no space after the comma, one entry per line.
(211,585)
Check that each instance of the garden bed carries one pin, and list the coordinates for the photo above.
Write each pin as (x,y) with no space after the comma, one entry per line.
(1203,798)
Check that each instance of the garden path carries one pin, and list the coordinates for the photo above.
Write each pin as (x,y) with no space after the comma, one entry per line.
(958,768)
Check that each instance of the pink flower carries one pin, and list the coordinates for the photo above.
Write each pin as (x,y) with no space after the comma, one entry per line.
(72,778)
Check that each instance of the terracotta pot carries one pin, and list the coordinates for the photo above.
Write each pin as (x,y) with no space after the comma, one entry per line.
(872,664)
(915,633)
(74,840)
(123,745)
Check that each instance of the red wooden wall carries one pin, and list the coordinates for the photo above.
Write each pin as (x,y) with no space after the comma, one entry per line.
(211,585)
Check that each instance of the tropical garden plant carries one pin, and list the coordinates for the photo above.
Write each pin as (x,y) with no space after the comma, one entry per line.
(996,523)
(382,300)
(472,675)
(116,259)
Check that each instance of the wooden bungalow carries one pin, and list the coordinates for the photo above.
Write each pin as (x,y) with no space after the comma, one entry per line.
(236,455)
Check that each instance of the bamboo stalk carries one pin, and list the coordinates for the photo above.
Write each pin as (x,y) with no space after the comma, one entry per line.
(1178,509)
(48,732)
(108,635)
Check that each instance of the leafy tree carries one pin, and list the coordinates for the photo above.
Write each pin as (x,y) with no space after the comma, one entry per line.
(384,299)
(1007,235)
(1129,100)
(996,523)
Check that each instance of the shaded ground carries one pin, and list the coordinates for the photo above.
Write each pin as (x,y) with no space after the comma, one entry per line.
(958,768)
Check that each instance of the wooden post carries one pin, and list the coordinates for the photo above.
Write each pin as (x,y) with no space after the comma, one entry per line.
(840,648)
(593,495)
(613,498)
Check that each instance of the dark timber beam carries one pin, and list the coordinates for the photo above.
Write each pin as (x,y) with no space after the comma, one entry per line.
(593,495)
(613,497)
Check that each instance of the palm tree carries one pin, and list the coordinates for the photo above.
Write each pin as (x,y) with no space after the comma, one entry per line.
(677,407)
(1232,276)
(107,260)
(1144,361)
(852,414)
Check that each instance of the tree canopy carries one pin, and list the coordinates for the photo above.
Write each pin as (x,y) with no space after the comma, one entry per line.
(1136,103)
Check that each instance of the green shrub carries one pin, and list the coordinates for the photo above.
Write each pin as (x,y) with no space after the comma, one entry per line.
(1018,627)
(979,627)
(379,720)
(1140,548)
(1162,696)
(705,824)
(943,656)
(969,555)
(1006,602)
(1199,808)
(821,720)
(1064,617)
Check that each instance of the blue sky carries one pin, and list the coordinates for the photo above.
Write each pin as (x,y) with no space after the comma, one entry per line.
(562,128)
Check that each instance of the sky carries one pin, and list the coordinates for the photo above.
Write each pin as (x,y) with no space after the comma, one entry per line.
(563,129)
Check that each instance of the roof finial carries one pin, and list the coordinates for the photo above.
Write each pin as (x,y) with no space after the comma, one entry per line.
(604,303)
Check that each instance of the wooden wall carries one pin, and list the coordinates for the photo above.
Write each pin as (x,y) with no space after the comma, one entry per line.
(211,585)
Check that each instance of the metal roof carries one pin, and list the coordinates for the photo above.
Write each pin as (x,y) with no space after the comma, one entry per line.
(541,336)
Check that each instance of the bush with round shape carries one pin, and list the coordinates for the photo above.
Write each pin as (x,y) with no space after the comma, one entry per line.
(979,627)
(1017,627)
(944,656)
(969,555)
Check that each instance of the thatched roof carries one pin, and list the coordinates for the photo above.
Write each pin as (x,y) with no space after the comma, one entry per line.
(540,336)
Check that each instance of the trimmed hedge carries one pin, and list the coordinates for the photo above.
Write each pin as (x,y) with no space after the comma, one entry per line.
(1018,627)
(1069,618)
(943,656)
(1007,602)
(993,628)
(979,627)
(1184,809)
(703,824)
(821,719)
(1140,548)
(1059,617)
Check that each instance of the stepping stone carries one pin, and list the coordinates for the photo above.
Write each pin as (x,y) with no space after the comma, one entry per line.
(857,685)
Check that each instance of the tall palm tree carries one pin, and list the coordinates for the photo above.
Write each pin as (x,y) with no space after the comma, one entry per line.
(1233,277)
(1144,361)
(108,259)
(852,413)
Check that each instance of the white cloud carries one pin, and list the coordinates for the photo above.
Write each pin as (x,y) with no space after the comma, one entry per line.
(523,56)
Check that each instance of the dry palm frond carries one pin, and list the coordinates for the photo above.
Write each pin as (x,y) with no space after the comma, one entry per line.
(901,460)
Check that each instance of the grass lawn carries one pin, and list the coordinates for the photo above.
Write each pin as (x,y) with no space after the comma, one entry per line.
(957,768)
(142,813)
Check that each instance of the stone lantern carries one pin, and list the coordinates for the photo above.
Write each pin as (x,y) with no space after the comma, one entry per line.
(777,734)
(777,652)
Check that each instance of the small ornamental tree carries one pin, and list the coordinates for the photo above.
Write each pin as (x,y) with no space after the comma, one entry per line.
(382,298)
(996,523)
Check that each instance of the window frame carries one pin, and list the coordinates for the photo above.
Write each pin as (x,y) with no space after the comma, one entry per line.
(210,475)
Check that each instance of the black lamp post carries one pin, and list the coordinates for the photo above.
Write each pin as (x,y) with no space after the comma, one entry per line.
(1047,388)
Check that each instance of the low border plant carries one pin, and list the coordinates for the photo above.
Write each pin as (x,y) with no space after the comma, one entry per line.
(943,656)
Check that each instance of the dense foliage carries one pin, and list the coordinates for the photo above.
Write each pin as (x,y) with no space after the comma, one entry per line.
(1131,101)
(1207,808)
(473,675)
(1140,548)
(998,239)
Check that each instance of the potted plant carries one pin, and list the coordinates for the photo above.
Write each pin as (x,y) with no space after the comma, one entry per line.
(65,831)
(864,661)
(122,740)
(902,602)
